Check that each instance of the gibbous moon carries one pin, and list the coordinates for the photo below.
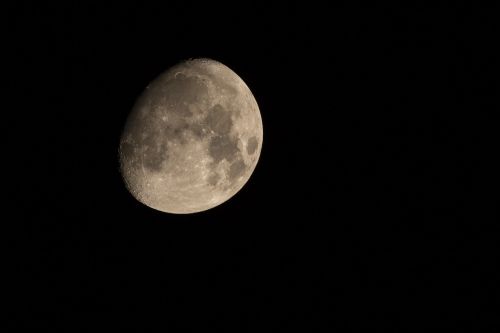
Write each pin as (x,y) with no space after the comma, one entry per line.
(192,140)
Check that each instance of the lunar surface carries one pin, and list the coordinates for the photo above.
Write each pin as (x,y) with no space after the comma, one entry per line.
(192,140)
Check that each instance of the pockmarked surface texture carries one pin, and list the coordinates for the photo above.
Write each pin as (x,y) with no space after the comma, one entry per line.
(192,140)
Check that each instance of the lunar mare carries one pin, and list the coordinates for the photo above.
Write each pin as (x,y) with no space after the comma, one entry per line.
(192,140)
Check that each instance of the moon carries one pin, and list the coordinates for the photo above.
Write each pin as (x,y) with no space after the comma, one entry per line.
(192,139)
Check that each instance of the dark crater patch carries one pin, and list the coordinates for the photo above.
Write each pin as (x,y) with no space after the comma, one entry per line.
(237,168)
(223,147)
(174,132)
(213,179)
(219,120)
(180,92)
(153,158)
(197,130)
(252,145)
(154,150)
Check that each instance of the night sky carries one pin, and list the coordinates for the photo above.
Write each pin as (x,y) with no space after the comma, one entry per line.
(372,205)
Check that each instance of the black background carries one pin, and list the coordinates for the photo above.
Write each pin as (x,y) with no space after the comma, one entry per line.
(372,205)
